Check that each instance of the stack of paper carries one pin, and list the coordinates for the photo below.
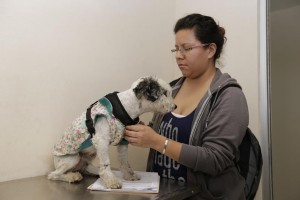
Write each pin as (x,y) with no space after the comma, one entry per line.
(149,183)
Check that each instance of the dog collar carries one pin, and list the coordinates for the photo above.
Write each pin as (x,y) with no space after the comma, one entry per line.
(119,111)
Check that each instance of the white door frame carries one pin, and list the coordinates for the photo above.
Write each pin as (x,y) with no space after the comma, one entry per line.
(264,99)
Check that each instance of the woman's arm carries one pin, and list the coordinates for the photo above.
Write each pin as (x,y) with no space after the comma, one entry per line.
(220,140)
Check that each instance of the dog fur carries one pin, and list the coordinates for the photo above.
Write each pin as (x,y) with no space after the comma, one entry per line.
(147,94)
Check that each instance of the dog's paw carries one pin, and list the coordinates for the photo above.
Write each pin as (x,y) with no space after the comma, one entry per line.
(131,176)
(52,176)
(113,183)
(73,177)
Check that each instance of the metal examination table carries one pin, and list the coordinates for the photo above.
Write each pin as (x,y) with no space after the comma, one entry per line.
(40,188)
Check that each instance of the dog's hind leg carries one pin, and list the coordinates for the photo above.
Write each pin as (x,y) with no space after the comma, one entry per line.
(63,166)
(128,173)
(101,141)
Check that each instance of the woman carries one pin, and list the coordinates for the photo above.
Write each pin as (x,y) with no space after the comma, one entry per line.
(184,145)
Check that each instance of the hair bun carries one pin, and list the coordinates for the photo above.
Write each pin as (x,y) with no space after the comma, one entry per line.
(221,31)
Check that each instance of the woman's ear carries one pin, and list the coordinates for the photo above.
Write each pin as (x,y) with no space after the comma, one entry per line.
(212,50)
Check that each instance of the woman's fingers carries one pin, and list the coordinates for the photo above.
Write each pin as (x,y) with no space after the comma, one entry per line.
(131,140)
(136,128)
(132,128)
(139,135)
(133,134)
(129,133)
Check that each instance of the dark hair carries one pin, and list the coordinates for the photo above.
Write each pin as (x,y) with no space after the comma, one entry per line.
(205,28)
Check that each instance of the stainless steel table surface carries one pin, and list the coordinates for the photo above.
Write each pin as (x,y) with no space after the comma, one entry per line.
(40,188)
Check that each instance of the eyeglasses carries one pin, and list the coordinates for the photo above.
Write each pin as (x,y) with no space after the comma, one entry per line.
(183,50)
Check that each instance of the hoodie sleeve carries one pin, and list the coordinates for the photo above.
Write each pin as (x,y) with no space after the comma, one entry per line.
(220,140)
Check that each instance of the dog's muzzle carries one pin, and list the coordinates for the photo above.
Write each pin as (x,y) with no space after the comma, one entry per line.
(175,106)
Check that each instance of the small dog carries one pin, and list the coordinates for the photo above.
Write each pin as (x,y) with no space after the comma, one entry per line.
(89,136)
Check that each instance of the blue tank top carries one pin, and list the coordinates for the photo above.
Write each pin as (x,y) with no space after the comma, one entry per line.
(178,129)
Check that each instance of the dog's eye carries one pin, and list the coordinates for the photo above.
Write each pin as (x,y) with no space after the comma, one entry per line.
(165,93)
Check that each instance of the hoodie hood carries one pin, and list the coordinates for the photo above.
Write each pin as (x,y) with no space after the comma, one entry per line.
(220,80)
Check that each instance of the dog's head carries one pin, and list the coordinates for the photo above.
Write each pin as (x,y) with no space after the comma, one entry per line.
(154,94)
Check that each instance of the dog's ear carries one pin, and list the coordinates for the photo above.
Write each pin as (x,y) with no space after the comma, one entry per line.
(148,88)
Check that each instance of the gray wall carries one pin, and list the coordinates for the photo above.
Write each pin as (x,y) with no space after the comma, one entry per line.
(285,98)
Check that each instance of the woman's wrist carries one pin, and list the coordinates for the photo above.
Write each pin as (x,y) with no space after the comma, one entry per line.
(165,145)
(159,143)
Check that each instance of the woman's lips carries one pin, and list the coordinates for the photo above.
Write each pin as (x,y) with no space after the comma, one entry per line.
(182,66)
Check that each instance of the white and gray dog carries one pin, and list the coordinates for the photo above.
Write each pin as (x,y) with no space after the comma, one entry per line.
(102,124)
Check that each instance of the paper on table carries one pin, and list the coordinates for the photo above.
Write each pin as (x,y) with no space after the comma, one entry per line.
(149,183)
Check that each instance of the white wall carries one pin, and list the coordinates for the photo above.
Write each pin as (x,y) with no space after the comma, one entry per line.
(57,57)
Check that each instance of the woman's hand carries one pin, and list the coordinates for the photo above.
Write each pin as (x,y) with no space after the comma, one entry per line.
(143,136)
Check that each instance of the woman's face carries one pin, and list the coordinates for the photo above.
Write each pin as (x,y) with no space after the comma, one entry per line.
(193,62)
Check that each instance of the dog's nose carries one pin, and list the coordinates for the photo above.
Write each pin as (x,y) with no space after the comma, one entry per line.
(175,106)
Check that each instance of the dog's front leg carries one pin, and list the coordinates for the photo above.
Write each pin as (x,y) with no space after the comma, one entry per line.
(101,141)
(128,173)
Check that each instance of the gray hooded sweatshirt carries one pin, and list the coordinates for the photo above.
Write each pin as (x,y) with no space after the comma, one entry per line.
(213,145)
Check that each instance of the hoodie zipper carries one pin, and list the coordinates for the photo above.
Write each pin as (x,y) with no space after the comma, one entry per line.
(199,116)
